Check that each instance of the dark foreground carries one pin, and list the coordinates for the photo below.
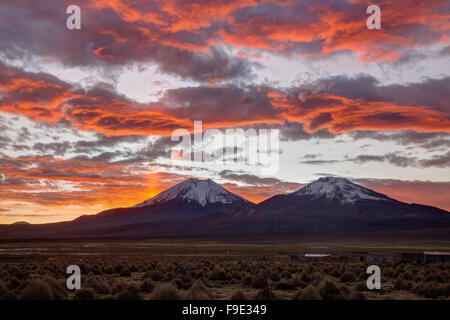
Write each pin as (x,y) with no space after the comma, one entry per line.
(200,269)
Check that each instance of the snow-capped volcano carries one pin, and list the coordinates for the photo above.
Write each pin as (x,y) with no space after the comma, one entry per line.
(340,189)
(202,192)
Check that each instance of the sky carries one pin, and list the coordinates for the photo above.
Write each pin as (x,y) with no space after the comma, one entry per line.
(86,116)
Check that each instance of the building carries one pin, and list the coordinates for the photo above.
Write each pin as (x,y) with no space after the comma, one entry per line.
(379,257)
(310,257)
(412,257)
(436,257)
(353,256)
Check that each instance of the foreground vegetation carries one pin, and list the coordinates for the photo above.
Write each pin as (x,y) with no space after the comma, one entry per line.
(208,275)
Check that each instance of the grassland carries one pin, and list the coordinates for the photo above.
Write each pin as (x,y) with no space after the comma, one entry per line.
(165,269)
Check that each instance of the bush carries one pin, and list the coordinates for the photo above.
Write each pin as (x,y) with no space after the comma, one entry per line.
(85,294)
(309,293)
(59,292)
(328,290)
(166,291)
(37,290)
(119,287)
(336,273)
(130,293)
(259,282)
(247,281)
(99,286)
(217,274)
(265,294)
(182,284)
(238,295)
(297,282)
(274,277)
(344,293)
(146,286)
(361,287)
(198,291)
(125,273)
(156,275)
(358,296)
(305,277)
(402,284)
(348,277)
(285,286)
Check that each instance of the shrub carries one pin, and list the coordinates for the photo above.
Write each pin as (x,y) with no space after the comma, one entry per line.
(328,290)
(237,275)
(344,293)
(37,290)
(247,281)
(305,277)
(358,296)
(99,286)
(361,287)
(182,284)
(119,287)
(125,273)
(198,291)
(238,295)
(297,282)
(166,291)
(265,294)
(336,273)
(59,292)
(259,282)
(146,286)
(285,286)
(402,284)
(217,274)
(309,293)
(130,293)
(348,277)
(156,275)
(274,277)
(85,294)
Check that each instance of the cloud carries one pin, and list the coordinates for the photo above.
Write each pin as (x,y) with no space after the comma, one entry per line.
(333,109)
(111,37)
(414,191)
(439,161)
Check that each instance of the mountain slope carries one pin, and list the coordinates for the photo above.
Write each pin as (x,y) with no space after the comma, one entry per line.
(188,199)
(202,207)
(337,204)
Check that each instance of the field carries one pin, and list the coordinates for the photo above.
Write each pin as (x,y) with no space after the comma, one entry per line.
(166,269)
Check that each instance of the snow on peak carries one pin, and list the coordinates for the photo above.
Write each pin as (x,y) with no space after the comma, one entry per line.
(339,188)
(194,190)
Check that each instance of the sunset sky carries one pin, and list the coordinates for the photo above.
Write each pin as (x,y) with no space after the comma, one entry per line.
(86,115)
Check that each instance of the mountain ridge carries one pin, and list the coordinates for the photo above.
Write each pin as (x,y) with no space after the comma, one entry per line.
(198,207)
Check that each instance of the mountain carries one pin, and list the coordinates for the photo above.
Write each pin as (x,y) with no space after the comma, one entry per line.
(205,193)
(336,204)
(203,207)
(186,200)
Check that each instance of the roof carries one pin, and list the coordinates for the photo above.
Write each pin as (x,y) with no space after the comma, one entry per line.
(436,253)
(379,254)
(317,255)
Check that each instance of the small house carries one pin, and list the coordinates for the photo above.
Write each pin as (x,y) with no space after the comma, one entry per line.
(316,256)
(436,256)
(379,257)
(412,257)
